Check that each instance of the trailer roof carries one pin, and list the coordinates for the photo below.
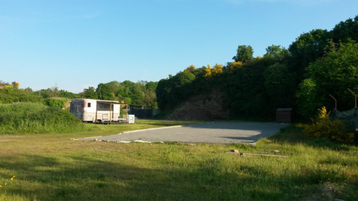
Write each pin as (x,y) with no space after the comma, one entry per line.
(98,100)
(107,101)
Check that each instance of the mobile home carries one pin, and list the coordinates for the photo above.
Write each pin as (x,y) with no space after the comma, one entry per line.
(91,110)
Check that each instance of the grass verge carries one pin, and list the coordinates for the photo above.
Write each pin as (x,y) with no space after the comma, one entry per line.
(51,167)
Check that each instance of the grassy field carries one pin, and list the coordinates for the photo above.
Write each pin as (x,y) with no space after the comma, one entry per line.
(52,167)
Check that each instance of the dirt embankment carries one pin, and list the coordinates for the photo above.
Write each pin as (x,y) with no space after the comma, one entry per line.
(202,107)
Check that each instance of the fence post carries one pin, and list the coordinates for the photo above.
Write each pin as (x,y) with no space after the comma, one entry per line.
(356,137)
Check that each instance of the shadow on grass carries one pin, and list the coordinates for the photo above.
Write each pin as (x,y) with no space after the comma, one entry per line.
(83,178)
(294,135)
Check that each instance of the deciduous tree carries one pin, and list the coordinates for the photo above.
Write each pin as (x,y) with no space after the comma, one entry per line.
(244,53)
(332,74)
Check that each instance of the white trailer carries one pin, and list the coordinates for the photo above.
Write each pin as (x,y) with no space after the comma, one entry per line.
(92,110)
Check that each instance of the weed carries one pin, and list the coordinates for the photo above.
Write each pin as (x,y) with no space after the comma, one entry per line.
(5,182)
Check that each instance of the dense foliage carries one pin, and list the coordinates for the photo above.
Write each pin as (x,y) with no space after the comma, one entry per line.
(315,65)
(55,92)
(56,102)
(23,118)
(332,74)
(324,127)
(140,93)
(10,95)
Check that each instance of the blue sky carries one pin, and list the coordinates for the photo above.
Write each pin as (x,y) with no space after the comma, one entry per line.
(81,43)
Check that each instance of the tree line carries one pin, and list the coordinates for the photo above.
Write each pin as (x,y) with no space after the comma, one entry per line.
(140,93)
(317,66)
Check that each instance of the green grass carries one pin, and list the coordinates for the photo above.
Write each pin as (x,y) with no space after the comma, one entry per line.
(51,167)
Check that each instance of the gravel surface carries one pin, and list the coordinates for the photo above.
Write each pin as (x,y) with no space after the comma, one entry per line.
(216,132)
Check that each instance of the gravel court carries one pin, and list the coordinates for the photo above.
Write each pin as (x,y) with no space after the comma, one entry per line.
(215,132)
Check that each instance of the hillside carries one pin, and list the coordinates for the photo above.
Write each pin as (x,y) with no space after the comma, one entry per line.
(317,65)
(202,107)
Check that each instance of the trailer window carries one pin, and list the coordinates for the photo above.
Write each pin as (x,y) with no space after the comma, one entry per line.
(88,104)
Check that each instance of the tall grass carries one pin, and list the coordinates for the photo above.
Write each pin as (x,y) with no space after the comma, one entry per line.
(24,118)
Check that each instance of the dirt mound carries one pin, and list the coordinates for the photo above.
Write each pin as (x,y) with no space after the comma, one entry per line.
(202,107)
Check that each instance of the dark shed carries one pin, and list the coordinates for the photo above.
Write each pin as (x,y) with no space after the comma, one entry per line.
(284,115)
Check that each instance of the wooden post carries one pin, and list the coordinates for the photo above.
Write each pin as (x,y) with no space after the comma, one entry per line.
(96,111)
(355,96)
(251,154)
(356,137)
(335,101)
(127,118)
(110,112)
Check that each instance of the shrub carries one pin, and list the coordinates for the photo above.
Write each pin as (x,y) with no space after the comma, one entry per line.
(324,127)
(22,118)
(10,95)
(56,102)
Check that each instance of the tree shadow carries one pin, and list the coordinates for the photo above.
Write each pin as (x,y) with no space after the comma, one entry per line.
(238,125)
(85,178)
(294,135)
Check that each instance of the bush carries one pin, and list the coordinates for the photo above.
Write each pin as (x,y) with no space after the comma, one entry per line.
(324,127)
(56,102)
(10,95)
(23,118)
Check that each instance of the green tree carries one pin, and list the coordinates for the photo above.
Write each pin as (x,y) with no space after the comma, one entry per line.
(54,92)
(306,49)
(344,31)
(114,86)
(90,93)
(150,99)
(279,85)
(162,92)
(245,90)
(244,54)
(151,85)
(332,74)
(127,100)
(276,52)
(70,95)
(137,95)
(45,93)
(308,99)
(104,92)
(170,92)
(28,89)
